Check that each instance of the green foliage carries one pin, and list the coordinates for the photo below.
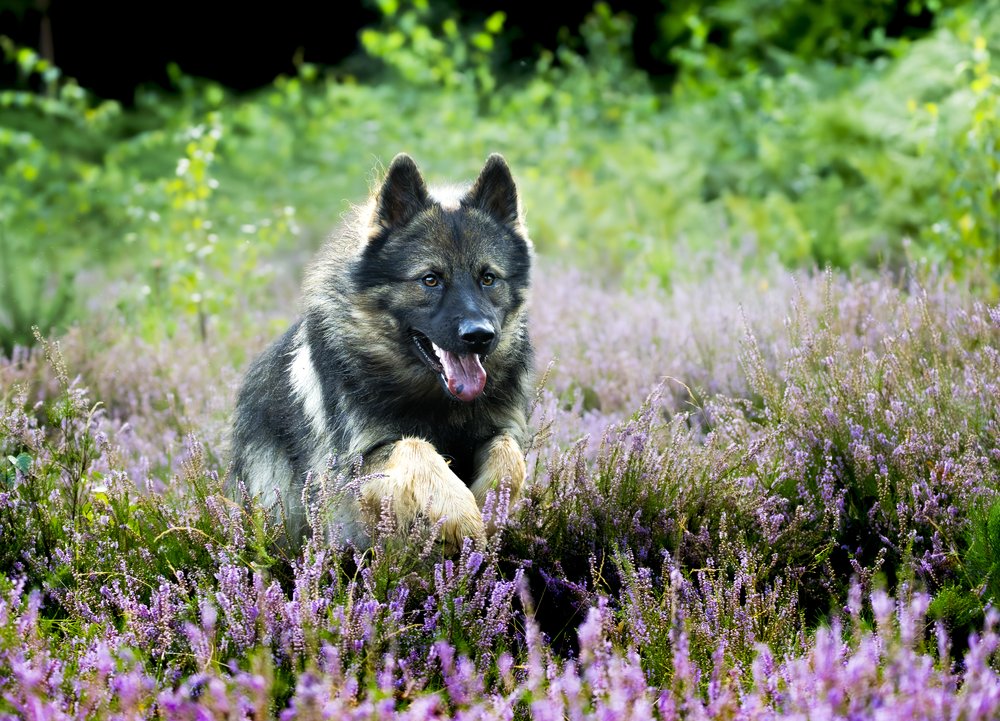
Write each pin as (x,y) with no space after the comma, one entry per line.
(966,227)
(46,194)
(963,605)
(197,259)
(983,558)
(170,206)
(728,38)
(427,53)
(29,296)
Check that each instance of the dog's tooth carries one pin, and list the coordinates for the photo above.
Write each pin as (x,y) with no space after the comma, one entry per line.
(437,351)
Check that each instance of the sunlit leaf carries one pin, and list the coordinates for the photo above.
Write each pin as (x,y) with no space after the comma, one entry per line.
(494,23)
(483,41)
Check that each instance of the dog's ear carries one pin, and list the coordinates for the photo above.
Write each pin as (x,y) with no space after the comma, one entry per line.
(403,193)
(494,191)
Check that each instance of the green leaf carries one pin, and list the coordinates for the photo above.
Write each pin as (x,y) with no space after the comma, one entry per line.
(483,41)
(494,23)
(214,95)
(388,7)
(308,71)
(21,463)
(27,59)
(371,40)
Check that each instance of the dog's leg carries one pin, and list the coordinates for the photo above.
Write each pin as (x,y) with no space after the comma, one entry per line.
(501,461)
(416,478)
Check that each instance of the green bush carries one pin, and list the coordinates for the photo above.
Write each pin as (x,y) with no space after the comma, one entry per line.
(965,227)
(730,38)
(170,205)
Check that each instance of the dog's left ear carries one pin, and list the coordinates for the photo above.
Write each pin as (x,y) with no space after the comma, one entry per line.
(494,192)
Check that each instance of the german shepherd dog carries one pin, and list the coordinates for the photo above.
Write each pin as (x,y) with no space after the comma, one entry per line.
(412,354)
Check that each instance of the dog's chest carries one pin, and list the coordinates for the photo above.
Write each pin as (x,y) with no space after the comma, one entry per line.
(458,446)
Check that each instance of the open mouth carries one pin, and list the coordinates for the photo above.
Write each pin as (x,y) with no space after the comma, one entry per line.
(462,375)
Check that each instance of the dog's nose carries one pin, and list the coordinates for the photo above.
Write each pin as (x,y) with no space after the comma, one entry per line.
(476,332)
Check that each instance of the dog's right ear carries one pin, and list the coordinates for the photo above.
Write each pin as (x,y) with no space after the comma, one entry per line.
(403,194)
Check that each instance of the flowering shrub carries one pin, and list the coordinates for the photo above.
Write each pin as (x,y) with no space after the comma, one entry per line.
(847,673)
(690,559)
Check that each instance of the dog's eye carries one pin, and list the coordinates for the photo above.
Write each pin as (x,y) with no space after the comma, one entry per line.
(488,279)
(431,280)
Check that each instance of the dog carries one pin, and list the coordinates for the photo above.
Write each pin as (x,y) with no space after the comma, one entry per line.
(411,363)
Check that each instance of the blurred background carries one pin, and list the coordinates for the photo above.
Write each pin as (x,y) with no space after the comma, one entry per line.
(175,163)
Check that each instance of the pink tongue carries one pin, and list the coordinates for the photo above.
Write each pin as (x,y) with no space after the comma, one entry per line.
(465,374)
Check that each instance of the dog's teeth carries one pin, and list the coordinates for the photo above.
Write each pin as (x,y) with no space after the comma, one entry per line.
(437,351)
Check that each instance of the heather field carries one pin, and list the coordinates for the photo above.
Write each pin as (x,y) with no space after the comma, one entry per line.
(717,507)
(765,476)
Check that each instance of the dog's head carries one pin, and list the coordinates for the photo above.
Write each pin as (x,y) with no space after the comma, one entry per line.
(452,270)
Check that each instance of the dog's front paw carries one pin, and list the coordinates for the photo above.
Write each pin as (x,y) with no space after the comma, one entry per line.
(462,519)
(417,480)
(500,463)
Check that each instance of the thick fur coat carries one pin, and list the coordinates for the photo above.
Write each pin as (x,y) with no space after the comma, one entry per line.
(412,354)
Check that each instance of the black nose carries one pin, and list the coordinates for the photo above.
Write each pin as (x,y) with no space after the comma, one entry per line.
(476,332)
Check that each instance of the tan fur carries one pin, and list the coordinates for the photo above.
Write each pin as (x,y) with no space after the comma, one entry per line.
(500,463)
(417,480)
